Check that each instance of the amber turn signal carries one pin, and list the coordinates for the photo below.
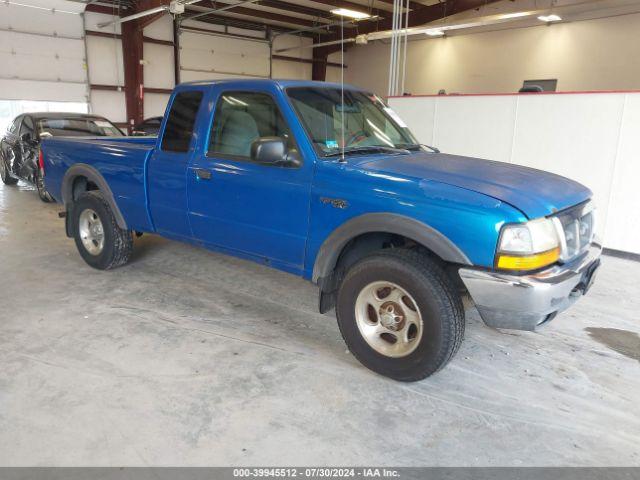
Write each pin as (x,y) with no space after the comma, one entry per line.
(528,262)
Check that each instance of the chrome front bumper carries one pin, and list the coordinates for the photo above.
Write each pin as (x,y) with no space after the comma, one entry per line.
(522,302)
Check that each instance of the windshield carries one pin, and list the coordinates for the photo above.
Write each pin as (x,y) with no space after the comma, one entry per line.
(78,127)
(368,123)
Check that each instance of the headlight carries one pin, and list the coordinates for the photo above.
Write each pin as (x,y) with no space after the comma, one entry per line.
(528,246)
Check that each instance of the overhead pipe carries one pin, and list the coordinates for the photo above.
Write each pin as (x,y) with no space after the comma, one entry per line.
(404,56)
(316,45)
(135,16)
(145,13)
(221,9)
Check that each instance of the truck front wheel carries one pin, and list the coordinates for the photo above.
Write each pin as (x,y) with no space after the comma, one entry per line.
(100,241)
(400,314)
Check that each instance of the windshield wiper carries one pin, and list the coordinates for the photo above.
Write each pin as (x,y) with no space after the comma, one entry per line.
(367,149)
(415,146)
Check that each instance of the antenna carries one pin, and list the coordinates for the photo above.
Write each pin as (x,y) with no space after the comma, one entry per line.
(342,89)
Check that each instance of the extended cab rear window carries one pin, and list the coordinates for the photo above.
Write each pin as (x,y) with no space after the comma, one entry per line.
(182,117)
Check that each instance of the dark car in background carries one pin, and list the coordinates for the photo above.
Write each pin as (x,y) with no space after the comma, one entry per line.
(20,147)
(150,127)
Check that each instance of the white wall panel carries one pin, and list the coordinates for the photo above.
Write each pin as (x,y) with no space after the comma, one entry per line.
(155,104)
(158,66)
(192,76)
(297,43)
(284,69)
(334,74)
(591,138)
(92,20)
(571,135)
(475,126)
(104,56)
(109,104)
(623,219)
(161,29)
(41,90)
(419,115)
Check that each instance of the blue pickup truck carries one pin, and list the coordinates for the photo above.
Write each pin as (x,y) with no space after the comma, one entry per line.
(327,183)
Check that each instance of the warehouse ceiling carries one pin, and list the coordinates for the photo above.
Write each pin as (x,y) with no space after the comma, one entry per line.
(296,15)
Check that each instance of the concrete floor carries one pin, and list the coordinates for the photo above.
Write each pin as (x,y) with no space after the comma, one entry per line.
(186,357)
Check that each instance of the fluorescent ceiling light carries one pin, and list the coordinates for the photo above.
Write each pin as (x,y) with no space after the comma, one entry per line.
(345,12)
(549,18)
(514,15)
(434,32)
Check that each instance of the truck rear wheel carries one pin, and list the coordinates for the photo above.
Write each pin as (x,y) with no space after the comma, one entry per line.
(100,241)
(400,314)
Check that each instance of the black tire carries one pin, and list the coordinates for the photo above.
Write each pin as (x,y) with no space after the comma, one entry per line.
(7,179)
(42,192)
(118,243)
(438,302)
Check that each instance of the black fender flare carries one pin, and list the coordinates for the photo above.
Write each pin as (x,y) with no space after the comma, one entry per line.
(92,175)
(417,231)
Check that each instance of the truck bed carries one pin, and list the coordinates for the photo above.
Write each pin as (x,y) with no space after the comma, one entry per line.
(120,160)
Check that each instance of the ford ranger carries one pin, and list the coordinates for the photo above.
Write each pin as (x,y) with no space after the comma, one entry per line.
(326,182)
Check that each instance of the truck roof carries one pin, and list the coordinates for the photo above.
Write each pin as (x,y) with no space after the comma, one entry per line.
(247,82)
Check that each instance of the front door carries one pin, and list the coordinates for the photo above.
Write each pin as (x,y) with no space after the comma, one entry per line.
(248,208)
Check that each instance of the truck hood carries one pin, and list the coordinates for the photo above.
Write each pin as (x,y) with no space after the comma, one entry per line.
(535,193)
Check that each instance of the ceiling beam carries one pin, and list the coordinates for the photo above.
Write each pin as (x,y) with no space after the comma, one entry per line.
(417,18)
(254,13)
(292,7)
(103,9)
(412,5)
(216,19)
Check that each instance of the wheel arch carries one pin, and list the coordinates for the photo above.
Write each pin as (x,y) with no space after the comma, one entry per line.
(70,189)
(369,232)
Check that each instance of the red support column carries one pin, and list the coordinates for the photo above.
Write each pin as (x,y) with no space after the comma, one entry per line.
(132,48)
(319,67)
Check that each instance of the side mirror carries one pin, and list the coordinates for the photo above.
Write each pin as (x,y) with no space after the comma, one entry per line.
(273,151)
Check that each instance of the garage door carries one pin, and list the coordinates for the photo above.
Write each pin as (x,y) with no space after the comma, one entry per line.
(210,57)
(42,51)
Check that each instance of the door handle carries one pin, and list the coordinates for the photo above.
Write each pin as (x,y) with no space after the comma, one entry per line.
(203,174)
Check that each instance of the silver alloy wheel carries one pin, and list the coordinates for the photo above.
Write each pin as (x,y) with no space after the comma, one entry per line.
(389,319)
(91,231)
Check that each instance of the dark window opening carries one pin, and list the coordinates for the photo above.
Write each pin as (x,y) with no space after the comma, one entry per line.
(182,117)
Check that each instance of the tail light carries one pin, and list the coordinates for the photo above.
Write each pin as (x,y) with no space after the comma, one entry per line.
(41,160)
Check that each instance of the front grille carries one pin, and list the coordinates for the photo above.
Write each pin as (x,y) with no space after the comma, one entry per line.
(578,228)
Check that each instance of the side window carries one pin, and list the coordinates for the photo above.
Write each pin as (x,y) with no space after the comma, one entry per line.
(27,126)
(242,117)
(182,117)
